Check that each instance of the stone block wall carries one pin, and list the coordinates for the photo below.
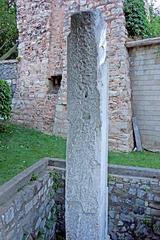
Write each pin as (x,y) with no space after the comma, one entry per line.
(8,72)
(145,83)
(28,204)
(41,100)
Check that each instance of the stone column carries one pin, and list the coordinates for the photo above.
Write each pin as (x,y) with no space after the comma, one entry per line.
(86,171)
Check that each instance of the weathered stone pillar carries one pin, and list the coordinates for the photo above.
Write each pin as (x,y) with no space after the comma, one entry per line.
(86,182)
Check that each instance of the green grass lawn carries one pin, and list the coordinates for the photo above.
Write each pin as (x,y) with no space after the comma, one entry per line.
(21,147)
(136,159)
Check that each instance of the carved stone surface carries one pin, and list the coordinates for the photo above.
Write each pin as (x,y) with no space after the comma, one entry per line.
(87,139)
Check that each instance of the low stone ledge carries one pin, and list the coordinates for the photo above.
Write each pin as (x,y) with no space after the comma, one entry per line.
(57,163)
(143,42)
(116,169)
(134,171)
(8,189)
(11,61)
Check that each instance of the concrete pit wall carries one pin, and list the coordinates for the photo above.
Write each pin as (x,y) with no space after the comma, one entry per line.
(134,203)
(29,203)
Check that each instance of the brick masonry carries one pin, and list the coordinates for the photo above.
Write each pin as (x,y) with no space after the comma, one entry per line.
(43,52)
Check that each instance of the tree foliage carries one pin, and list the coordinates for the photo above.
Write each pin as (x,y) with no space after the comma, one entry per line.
(141,23)
(8,28)
(136,18)
(154,26)
(154,23)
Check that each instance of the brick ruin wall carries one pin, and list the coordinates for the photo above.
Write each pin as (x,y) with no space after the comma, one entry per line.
(41,100)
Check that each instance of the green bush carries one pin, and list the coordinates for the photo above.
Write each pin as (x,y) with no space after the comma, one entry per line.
(5,100)
(136,18)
